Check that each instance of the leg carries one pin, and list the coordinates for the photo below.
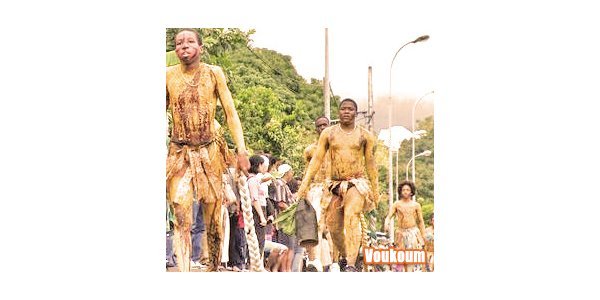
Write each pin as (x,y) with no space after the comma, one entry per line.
(353,205)
(298,256)
(260,231)
(170,254)
(292,247)
(214,236)
(235,256)
(335,225)
(226,229)
(314,197)
(198,231)
(179,190)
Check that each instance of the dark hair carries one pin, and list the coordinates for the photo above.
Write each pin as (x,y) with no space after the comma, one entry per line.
(349,100)
(293,185)
(413,189)
(321,117)
(255,162)
(194,31)
(273,159)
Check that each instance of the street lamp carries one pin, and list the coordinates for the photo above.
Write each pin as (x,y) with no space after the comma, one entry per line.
(413,139)
(424,153)
(390,171)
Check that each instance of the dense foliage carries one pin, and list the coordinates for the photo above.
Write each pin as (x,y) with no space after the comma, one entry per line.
(277,107)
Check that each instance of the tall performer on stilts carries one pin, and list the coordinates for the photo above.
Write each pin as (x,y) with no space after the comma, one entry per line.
(352,152)
(197,152)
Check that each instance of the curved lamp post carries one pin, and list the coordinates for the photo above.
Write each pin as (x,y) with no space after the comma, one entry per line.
(424,153)
(390,171)
(413,139)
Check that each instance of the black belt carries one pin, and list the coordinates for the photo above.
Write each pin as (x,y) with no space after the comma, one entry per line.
(186,143)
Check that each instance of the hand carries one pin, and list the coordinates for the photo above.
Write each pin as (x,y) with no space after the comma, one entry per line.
(263,221)
(242,162)
(375,196)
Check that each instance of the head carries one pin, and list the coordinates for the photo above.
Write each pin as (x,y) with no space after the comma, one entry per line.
(321,123)
(255,164)
(274,162)
(286,171)
(188,46)
(406,189)
(348,111)
(293,184)
(264,167)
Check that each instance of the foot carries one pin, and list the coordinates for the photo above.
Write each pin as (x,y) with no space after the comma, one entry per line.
(351,269)
(343,262)
(195,264)
(334,267)
(314,266)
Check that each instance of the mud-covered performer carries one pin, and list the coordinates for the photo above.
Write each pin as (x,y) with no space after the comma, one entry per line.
(410,228)
(197,153)
(352,152)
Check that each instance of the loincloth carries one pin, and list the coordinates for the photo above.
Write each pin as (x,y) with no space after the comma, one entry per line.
(340,188)
(408,238)
(202,166)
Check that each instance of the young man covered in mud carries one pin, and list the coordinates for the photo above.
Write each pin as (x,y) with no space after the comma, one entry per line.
(410,228)
(197,153)
(352,152)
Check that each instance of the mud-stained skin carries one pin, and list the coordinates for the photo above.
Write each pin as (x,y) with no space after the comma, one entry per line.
(193,89)
(351,151)
(192,111)
(408,214)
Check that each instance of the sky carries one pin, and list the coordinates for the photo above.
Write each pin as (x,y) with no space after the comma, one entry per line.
(352,49)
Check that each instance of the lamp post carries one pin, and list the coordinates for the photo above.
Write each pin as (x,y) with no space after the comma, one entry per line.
(424,153)
(413,138)
(390,171)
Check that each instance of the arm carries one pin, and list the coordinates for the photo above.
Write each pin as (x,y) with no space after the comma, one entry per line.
(307,154)
(253,187)
(167,86)
(420,220)
(167,98)
(279,190)
(371,165)
(315,163)
(389,216)
(266,177)
(233,120)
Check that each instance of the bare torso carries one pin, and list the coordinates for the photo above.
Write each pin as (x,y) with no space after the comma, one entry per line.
(406,214)
(193,102)
(346,150)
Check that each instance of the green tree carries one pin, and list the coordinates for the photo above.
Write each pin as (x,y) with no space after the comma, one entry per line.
(276,105)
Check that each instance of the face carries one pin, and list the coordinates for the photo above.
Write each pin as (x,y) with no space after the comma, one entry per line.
(347,112)
(406,192)
(187,47)
(288,175)
(264,167)
(321,124)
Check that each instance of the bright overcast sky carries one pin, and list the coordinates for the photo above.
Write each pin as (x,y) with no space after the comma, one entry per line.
(352,51)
